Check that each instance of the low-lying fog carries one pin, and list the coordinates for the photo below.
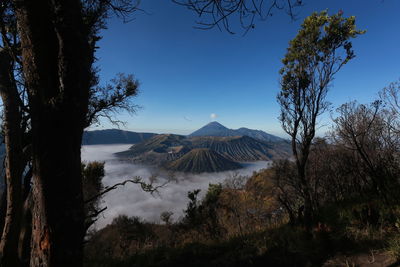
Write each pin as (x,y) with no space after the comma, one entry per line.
(132,201)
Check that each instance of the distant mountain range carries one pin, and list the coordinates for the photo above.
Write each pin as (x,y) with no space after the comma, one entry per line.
(114,136)
(216,129)
(210,149)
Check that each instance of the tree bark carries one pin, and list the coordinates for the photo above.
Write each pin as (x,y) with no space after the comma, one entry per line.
(13,163)
(308,219)
(24,248)
(3,207)
(301,164)
(56,61)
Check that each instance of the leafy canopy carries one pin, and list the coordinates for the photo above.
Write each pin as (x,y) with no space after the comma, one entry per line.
(320,36)
(320,49)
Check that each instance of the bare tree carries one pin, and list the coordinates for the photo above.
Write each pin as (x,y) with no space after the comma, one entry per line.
(218,13)
(106,101)
(390,96)
(366,131)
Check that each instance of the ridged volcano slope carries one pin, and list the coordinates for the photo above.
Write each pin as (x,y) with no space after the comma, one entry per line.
(202,160)
(237,148)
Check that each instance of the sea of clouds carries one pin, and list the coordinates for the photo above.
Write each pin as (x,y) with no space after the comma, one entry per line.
(131,200)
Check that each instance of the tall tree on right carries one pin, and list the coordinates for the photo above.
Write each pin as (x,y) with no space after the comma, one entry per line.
(320,49)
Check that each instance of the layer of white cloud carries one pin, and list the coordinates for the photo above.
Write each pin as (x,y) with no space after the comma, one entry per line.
(132,201)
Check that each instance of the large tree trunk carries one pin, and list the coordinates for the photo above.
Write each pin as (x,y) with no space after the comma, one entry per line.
(3,207)
(24,248)
(13,166)
(308,211)
(56,62)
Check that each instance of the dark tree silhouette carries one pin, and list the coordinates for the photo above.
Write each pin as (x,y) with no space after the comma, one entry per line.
(57,82)
(13,162)
(13,127)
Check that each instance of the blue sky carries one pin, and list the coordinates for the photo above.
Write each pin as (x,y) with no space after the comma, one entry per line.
(187,74)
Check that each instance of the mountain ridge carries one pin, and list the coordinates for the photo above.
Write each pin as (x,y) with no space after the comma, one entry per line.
(114,136)
(217,129)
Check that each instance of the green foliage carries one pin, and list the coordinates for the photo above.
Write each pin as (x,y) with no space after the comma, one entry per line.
(319,38)
(191,212)
(202,216)
(92,175)
(211,198)
(92,186)
(313,57)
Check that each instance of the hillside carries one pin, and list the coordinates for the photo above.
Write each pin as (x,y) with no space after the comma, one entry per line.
(240,148)
(161,143)
(157,150)
(235,148)
(163,149)
(216,129)
(202,160)
(114,136)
